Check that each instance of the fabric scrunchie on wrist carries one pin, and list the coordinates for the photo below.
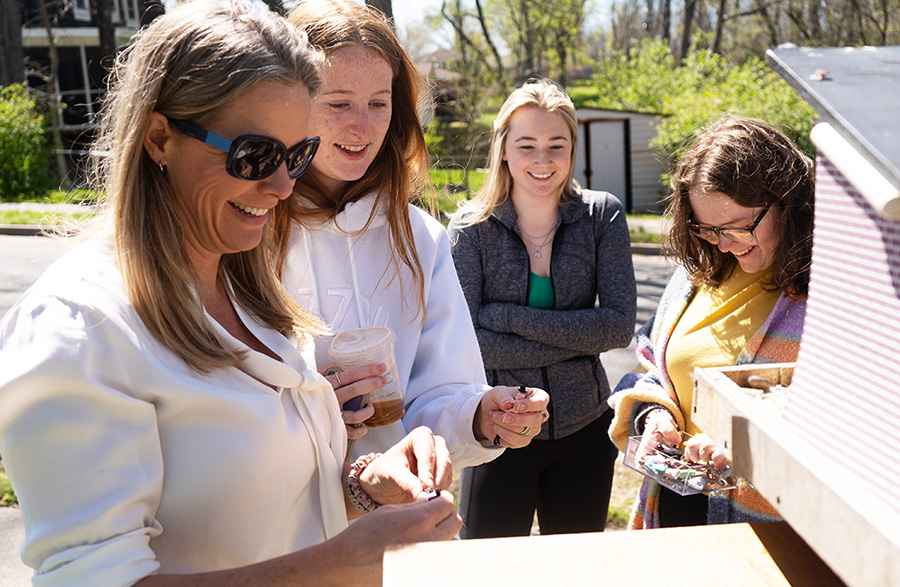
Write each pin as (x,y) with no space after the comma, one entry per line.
(358,497)
(646,416)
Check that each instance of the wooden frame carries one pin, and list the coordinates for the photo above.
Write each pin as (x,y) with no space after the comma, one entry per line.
(832,510)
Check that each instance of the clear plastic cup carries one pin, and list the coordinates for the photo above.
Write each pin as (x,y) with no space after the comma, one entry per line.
(366,346)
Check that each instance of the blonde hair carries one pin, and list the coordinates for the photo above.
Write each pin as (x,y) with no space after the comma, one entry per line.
(190,63)
(399,170)
(539,93)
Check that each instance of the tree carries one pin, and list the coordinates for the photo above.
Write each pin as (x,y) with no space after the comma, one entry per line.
(526,35)
(11,56)
(53,106)
(565,27)
(384,6)
(696,92)
(479,42)
(102,11)
(689,7)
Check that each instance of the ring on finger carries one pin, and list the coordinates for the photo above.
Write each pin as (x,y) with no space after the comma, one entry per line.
(545,416)
(526,431)
(337,377)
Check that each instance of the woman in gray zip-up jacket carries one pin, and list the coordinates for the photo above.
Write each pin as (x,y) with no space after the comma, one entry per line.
(547,274)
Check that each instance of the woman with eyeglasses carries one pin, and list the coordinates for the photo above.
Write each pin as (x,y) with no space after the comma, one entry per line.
(357,253)
(161,417)
(742,212)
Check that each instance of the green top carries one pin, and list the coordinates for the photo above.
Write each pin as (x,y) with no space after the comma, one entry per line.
(540,292)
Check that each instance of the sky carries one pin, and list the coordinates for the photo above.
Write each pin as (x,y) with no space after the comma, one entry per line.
(412,12)
(407,11)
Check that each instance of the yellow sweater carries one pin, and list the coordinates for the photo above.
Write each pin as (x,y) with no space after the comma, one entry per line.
(713,329)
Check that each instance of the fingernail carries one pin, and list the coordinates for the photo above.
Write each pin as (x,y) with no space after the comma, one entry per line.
(507,419)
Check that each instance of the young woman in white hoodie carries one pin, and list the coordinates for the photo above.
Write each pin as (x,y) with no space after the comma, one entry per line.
(355,252)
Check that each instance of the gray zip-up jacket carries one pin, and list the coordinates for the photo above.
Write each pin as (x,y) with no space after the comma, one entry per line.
(593,310)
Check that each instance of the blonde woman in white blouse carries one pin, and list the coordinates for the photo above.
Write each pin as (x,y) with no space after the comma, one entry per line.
(161,417)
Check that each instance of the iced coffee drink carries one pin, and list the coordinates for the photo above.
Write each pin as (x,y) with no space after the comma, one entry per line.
(366,346)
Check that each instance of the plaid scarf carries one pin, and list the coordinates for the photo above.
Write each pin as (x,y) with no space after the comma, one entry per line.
(777,341)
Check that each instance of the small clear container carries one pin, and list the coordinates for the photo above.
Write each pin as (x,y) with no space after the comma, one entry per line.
(666,465)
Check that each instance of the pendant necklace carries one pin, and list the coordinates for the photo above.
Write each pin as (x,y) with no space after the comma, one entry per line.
(537,247)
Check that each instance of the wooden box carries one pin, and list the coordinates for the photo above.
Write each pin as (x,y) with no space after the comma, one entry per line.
(821,496)
(719,395)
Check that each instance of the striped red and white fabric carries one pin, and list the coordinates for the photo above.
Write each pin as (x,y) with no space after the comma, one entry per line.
(845,396)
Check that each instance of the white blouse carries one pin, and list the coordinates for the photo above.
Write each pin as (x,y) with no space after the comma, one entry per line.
(127,462)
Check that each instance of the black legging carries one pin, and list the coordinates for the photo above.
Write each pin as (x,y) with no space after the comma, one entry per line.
(567,480)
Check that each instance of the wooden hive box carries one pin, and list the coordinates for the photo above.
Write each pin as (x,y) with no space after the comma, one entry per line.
(828,463)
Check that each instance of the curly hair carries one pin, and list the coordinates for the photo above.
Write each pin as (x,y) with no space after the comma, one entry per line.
(755,165)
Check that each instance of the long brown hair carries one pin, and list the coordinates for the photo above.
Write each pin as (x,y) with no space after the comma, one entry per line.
(190,63)
(755,165)
(400,169)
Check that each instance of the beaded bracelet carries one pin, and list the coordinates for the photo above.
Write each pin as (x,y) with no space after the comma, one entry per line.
(358,497)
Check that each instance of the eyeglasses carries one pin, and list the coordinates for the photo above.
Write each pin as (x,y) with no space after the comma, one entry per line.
(738,235)
(254,157)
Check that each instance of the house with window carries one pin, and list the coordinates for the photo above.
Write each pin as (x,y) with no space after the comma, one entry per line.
(74,35)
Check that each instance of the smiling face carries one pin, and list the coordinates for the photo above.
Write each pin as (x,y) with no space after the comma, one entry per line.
(351,113)
(717,209)
(538,152)
(221,213)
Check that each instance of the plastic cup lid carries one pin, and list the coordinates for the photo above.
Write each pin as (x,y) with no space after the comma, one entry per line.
(352,342)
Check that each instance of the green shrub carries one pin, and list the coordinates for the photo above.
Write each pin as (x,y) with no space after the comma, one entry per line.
(642,235)
(24,153)
(7,495)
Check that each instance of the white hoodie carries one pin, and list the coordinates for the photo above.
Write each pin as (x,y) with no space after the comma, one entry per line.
(348,280)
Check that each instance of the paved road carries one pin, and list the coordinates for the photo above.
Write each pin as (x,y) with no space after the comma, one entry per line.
(24,258)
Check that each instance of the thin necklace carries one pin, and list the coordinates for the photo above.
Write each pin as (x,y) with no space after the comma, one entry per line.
(537,247)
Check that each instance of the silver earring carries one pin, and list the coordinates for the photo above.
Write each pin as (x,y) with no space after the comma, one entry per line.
(163,169)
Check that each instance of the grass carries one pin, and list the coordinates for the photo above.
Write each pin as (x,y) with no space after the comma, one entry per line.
(642,235)
(39,218)
(71,197)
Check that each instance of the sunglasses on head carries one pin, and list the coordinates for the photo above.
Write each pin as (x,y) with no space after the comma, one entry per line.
(254,157)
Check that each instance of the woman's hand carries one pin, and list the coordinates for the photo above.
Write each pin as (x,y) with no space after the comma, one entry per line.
(418,462)
(510,417)
(356,382)
(360,548)
(702,448)
(659,428)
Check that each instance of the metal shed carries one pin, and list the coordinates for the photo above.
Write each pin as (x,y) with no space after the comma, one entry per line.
(614,154)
